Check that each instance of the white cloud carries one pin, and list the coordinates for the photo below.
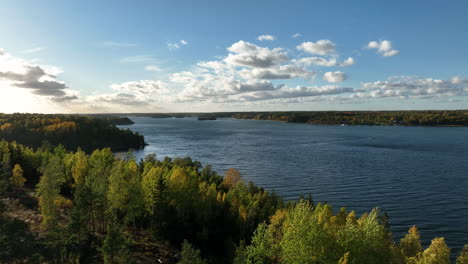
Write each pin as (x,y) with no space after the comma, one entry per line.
(334,77)
(247,54)
(119,99)
(245,74)
(153,68)
(384,48)
(214,65)
(173,45)
(279,72)
(348,62)
(284,92)
(415,88)
(296,35)
(176,45)
(143,87)
(133,94)
(310,61)
(33,50)
(322,47)
(266,37)
(38,79)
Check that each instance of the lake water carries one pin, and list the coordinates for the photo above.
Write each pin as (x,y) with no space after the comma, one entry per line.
(419,175)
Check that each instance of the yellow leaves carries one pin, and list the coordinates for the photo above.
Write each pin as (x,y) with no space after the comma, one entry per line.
(133,167)
(65,126)
(231,178)
(6,127)
(463,257)
(413,231)
(80,167)
(278,218)
(410,245)
(351,218)
(437,253)
(221,197)
(242,213)
(323,213)
(63,203)
(17,179)
(344,259)
(340,218)
(178,178)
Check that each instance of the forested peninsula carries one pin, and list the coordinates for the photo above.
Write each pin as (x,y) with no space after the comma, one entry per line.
(72,131)
(59,205)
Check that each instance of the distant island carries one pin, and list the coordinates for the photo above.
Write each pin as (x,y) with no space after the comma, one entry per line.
(206,118)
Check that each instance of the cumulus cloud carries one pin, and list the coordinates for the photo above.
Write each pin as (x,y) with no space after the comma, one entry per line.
(214,65)
(266,37)
(280,72)
(246,73)
(348,62)
(134,93)
(334,77)
(246,54)
(40,80)
(220,88)
(296,35)
(415,88)
(285,92)
(384,48)
(322,47)
(126,99)
(143,87)
(309,61)
(237,91)
(318,61)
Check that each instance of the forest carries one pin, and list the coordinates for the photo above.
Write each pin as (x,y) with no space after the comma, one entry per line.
(370,118)
(379,118)
(72,131)
(61,206)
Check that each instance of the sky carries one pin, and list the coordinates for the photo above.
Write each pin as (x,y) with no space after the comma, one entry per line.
(211,56)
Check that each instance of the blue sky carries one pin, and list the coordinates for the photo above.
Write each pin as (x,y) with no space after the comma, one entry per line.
(152,56)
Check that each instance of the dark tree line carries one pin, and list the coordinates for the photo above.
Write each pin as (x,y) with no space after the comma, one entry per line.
(72,131)
(384,118)
(379,118)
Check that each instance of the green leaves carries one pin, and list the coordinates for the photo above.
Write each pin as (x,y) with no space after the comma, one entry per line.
(48,189)
(190,255)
